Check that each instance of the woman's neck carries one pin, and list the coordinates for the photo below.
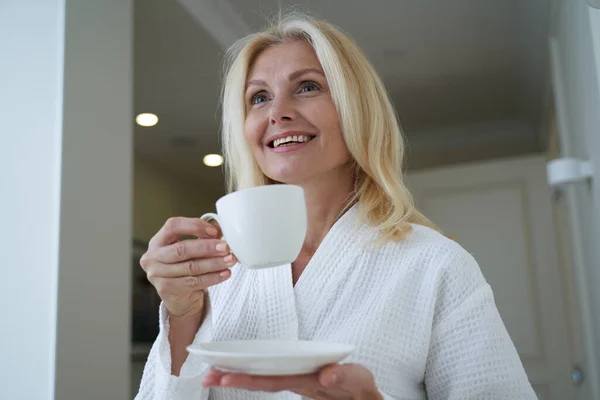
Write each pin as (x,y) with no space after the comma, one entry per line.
(326,199)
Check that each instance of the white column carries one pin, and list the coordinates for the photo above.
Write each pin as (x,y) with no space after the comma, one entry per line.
(66,172)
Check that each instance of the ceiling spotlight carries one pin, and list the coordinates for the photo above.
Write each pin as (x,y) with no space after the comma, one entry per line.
(213,160)
(146,119)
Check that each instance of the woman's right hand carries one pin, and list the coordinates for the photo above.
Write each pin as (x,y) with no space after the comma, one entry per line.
(182,270)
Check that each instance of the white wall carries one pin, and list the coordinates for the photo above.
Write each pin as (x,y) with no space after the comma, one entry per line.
(30,139)
(577,92)
(66,145)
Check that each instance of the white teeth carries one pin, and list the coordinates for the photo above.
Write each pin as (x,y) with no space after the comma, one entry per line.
(296,138)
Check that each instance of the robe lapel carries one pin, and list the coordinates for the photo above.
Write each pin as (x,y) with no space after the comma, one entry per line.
(276,306)
(255,305)
(325,274)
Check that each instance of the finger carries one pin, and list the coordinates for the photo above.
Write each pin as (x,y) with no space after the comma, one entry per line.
(166,286)
(352,378)
(191,249)
(212,378)
(176,227)
(216,225)
(269,383)
(328,376)
(194,267)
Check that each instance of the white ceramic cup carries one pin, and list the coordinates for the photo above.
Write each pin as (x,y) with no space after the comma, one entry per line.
(264,226)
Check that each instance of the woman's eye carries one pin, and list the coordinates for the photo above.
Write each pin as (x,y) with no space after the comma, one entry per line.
(259,98)
(309,87)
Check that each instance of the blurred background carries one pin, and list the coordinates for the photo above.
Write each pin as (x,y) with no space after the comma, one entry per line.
(487,93)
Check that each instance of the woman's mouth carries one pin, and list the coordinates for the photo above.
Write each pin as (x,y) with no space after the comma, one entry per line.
(289,141)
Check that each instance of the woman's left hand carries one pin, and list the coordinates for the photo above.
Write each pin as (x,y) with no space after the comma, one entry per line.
(334,382)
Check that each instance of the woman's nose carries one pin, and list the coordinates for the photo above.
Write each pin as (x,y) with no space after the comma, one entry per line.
(281,111)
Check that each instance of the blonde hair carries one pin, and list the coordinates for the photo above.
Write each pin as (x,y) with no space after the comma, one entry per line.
(368,119)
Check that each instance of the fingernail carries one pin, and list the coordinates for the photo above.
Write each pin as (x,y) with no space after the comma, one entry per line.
(228,258)
(226,380)
(335,378)
(224,274)
(222,246)
(212,231)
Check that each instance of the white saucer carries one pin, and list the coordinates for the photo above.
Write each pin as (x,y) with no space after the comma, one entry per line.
(270,357)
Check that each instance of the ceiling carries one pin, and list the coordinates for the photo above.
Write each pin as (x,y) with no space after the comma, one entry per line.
(462,73)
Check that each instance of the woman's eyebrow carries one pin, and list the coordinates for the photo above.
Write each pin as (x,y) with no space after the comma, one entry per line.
(293,75)
(257,82)
(300,72)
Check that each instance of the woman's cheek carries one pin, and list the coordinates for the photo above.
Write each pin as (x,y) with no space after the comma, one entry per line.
(254,129)
(250,132)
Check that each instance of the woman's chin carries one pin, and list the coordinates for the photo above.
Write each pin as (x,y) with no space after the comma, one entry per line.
(283,181)
(287,178)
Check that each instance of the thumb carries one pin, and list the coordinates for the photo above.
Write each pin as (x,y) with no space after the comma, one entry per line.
(352,378)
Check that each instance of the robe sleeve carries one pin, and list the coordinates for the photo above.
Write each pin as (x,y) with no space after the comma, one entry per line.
(471,354)
(158,383)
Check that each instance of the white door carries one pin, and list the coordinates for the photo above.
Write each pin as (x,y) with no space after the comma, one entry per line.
(501,213)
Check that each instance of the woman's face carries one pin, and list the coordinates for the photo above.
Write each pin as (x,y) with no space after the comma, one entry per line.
(292,124)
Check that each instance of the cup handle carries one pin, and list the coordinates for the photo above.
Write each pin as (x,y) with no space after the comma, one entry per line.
(211,216)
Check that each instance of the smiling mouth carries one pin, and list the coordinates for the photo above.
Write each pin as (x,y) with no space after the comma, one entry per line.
(290,141)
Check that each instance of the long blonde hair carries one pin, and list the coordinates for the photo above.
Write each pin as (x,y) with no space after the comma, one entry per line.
(368,119)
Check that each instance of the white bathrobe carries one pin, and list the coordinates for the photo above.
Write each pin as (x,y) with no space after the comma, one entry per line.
(419,311)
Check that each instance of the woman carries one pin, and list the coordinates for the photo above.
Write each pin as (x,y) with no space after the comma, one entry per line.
(302,105)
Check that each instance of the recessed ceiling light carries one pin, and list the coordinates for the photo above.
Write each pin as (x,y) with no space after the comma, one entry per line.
(146,119)
(213,160)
